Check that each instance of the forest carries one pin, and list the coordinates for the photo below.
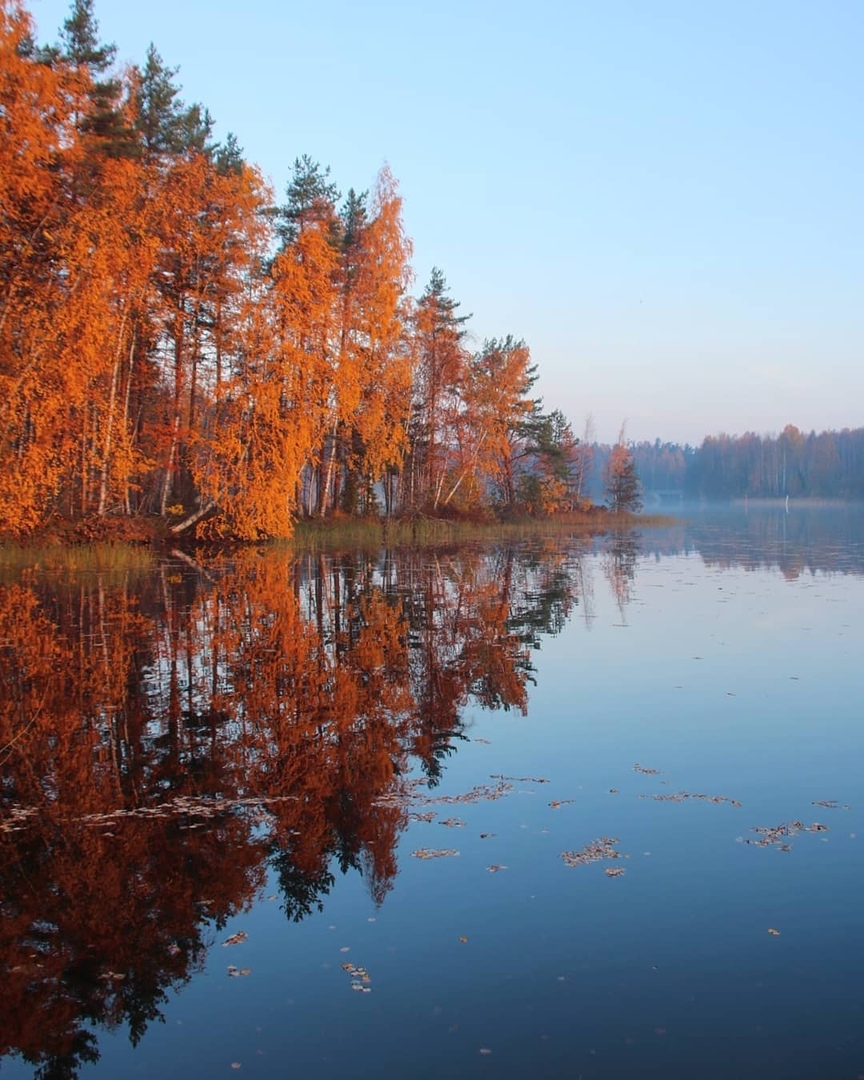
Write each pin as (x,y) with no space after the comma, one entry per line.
(177,344)
(827,465)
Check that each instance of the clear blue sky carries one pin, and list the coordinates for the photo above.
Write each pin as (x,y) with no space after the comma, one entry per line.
(663,198)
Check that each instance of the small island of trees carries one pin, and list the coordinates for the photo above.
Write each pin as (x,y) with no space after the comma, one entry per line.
(175,344)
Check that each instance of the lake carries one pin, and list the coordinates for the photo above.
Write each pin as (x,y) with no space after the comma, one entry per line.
(560,808)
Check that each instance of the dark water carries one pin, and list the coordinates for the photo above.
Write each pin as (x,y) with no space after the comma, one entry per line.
(363,771)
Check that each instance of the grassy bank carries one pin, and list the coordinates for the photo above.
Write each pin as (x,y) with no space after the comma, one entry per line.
(71,555)
(421,530)
(103,559)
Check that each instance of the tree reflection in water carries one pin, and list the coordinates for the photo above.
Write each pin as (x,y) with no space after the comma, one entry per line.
(167,740)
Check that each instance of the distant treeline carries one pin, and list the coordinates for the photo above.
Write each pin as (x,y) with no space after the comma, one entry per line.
(827,465)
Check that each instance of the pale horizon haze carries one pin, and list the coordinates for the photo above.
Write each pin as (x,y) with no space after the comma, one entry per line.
(662,198)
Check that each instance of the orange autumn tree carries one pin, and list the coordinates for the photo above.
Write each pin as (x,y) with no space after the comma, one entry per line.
(272,408)
(440,368)
(110,255)
(490,428)
(208,324)
(36,153)
(374,374)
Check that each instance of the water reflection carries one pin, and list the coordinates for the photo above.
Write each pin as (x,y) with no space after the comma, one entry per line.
(804,539)
(166,741)
(171,742)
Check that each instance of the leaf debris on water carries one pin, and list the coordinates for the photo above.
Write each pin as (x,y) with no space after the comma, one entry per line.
(773,932)
(779,835)
(681,796)
(495,867)
(645,770)
(236,939)
(596,851)
(433,853)
(360,978)
(518,780)
(560,802)
(409,795)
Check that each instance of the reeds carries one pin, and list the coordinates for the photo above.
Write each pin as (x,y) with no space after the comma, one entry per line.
(120,559)
(421,530)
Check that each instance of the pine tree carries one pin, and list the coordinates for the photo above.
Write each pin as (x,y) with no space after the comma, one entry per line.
(441,366)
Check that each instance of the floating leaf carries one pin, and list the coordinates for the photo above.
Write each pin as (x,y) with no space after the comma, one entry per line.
(463,939)
(596,851)
(773,932)
(236,939)
(519,780)
(779,835)
(433,853)
(680,796)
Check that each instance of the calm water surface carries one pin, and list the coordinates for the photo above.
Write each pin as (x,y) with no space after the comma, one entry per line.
(306,819)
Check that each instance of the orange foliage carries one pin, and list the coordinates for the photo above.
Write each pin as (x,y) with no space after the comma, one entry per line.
(156,357)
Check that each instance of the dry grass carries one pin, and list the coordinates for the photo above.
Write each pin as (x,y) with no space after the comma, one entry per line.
(422,531)
(120,559)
